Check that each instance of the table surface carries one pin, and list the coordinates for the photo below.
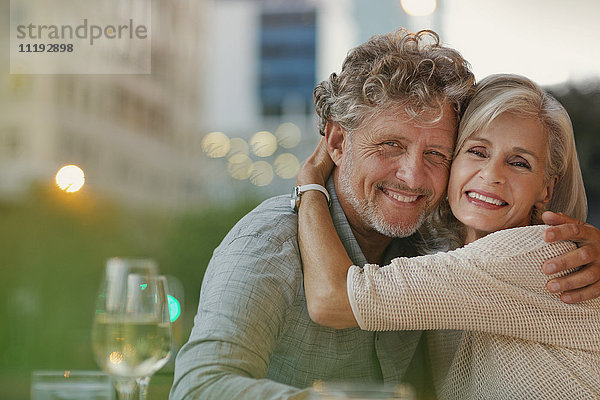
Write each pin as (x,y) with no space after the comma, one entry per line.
(16,386)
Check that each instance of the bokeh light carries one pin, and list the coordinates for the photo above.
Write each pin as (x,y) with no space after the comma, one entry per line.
(419,8)
(70,178)
(174,308)
(238,146)
(216,144)
(261,173)
(286,165)
(115,358)
(288,135)
(263,143)
(239,166)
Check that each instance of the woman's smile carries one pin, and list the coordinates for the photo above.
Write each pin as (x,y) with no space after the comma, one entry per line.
(485,199)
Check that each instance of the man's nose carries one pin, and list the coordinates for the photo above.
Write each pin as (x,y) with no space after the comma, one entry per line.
(411,170)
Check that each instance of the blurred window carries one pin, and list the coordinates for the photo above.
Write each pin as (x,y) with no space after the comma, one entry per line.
(287,61)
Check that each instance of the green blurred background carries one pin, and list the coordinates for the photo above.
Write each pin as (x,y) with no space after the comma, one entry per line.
(54,246)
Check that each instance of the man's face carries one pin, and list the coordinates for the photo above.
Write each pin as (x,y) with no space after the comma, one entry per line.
(393,173)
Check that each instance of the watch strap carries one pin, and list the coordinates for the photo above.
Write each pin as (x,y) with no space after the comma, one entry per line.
(298,190)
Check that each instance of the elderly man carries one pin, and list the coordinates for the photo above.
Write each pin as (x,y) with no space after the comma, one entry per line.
(253,337)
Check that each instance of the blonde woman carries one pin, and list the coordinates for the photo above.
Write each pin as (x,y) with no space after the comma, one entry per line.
(515,157)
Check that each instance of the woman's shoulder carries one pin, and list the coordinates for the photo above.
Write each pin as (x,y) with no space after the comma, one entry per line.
(506,246)
(517,241)
(528,234)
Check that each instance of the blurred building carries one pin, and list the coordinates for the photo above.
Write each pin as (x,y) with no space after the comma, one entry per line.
(263,59)
(260,71)
(226,113)
(136,137)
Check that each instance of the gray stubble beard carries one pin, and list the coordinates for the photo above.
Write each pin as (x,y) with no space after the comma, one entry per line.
(371,215)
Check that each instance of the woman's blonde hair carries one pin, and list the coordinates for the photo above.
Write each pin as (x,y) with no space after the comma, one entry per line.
(517,95)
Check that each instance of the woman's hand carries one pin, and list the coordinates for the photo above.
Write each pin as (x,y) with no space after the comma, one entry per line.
(317,167)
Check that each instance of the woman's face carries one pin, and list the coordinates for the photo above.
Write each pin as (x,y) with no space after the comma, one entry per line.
(497,176)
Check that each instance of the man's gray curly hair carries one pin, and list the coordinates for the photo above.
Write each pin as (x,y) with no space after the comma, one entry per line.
(412,70)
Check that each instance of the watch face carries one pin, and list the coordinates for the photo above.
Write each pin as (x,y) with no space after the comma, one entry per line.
(294,199)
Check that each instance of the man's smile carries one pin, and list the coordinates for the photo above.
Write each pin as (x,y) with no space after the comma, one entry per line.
(402,197)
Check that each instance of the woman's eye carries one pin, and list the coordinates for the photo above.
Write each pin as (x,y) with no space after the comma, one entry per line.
(521,164)
(477,151)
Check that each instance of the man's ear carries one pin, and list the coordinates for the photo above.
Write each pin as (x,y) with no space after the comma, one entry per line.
(335,137)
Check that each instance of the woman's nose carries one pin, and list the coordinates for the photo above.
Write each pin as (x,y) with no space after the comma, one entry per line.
(493,172)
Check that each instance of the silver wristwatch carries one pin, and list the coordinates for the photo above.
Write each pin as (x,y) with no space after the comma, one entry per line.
(298,190)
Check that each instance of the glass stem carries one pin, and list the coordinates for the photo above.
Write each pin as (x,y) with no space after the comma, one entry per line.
(143,383)
(126,389)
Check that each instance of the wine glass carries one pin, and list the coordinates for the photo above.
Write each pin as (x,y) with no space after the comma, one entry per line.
(131,335)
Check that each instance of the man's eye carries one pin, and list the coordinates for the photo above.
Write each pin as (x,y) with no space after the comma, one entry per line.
(393,146)
(437,157)
(436,154)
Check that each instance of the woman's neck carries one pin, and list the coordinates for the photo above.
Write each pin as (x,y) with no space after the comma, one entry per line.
(473,234)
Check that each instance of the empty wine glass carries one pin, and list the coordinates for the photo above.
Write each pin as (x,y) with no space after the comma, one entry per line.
(131,336)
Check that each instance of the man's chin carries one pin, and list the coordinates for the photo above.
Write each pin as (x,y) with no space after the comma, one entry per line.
(399,226)
(386,224)
(399,230)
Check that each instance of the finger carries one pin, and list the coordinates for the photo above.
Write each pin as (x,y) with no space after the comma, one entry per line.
(570,231)
(322,146)
(319,151)
(579,295)
(552,218)
(573,259)
(589,275)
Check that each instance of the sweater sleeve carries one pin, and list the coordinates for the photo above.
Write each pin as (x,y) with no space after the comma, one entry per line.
(492,285)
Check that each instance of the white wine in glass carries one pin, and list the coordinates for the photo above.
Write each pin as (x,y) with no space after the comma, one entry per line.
(131,337)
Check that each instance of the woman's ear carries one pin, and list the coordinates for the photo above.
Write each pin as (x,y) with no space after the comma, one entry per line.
(540,206)
(335,138)
(547,193)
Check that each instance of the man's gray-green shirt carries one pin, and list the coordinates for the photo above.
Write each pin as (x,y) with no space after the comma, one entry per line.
(252,335)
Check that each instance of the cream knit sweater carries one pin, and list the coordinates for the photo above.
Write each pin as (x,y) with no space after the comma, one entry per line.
(521,341)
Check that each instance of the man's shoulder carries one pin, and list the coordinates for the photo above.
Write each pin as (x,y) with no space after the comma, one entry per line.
(273,220)
(263,242)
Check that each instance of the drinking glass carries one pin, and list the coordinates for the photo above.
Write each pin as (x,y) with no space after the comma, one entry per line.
(131,335)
